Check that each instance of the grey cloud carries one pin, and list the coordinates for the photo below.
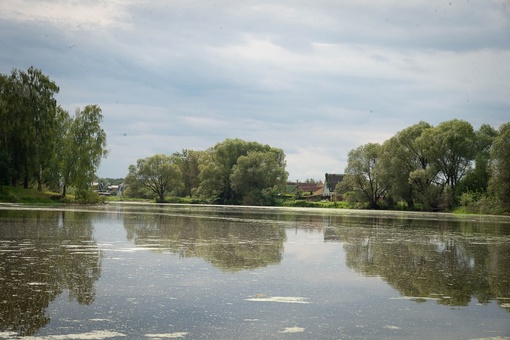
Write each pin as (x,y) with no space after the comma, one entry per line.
(315,79)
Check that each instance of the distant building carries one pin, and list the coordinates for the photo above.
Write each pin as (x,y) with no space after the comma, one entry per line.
(317,191)
(307,191)
(330,182)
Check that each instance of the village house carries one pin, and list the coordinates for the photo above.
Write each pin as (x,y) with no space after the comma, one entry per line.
(306,191)
(316,191)
(330,183)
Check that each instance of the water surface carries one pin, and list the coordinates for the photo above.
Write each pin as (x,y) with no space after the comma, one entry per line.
(196,272)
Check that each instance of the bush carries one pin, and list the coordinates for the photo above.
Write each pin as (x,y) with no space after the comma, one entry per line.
(477,203)
(401,205)
(88,197)
(310,204)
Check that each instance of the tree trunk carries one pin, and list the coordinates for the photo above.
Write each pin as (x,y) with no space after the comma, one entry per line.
(25,178)
(39,178)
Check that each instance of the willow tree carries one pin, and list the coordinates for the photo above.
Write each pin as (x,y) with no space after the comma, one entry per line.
(364,173)
(259,177)
(58,171)
(159,174)
(84,147)
(189,164)
(477,178)
(450,147)
(402,157)
(28,112)
(499,184)
(216,175)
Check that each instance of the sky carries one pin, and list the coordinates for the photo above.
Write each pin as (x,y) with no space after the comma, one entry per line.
(313,78)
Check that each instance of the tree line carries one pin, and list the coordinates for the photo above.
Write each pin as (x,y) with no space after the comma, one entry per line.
(420,168)
(231,172)
(41,144)
(433,168)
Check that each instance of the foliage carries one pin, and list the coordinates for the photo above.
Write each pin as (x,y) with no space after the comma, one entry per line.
(28,115)
(401,156)
(477,178)
(88,197)
(184,200)
(188,162)
(158,174)
(39,142)
(221,177)
(363,173)
(433,168)
(83,147)
(322,204)
(298,193)
(499,184)
(450,148)
(231,172)
(4,168)
(259,177)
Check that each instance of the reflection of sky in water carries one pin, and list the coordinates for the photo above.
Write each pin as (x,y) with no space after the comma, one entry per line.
(330,281)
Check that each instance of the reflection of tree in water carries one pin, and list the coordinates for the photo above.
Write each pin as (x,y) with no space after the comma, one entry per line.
(43,253)
(451,261)
(231,244)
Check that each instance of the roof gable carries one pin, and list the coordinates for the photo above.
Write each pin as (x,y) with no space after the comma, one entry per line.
(332,180)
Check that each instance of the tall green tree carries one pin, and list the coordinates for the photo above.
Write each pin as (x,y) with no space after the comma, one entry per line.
(28,112)
(477,178)
(41,106)
(364,173)
(29,109)
(4,113)
(13,137)
(159,173)
(189,165)
(5,166)
(401,156)
(499,184)
(259,176)
(450,147)
(84,147)
(61,166)
(39,142)
(216,173)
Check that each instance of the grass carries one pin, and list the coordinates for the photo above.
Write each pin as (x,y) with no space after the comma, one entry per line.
(322,204)
(11,194)
(128,199)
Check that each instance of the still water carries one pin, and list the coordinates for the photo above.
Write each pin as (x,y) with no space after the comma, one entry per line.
(196,272)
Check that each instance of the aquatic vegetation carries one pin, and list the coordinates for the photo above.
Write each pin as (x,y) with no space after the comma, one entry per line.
(283,299)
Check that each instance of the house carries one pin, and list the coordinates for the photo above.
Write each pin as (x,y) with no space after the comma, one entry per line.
(307,191)
(330,183)
(317,191)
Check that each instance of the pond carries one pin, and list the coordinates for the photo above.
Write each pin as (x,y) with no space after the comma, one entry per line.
(129,271)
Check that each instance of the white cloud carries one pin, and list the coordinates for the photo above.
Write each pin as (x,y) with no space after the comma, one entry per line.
(72,14)
(315,79)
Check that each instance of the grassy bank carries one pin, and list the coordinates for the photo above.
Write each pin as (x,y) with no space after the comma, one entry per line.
(9,194)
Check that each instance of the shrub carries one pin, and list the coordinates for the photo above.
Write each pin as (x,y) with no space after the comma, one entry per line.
(88,197)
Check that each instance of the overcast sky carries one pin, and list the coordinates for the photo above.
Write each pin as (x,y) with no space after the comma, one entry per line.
(314,78)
